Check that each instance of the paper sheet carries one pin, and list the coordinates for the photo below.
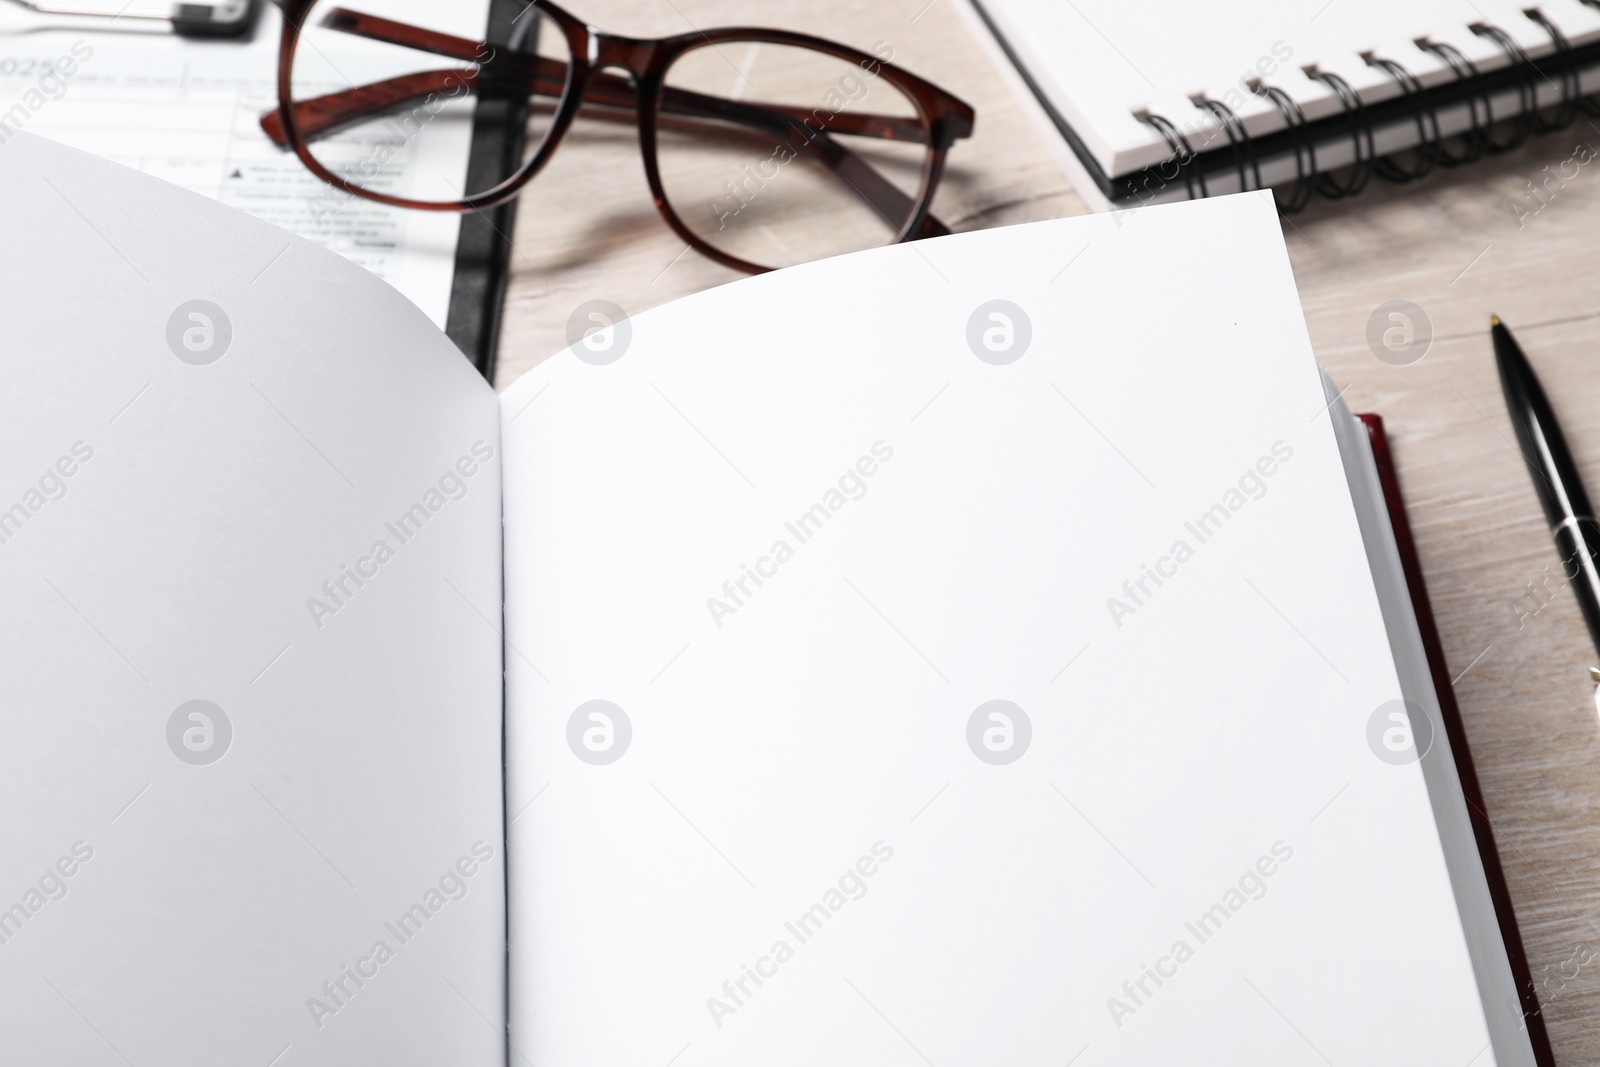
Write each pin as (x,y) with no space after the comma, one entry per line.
(249,654)
(963,652)
(187,111)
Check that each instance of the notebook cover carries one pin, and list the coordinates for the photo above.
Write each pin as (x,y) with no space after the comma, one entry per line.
(483,249)
(1533,1020)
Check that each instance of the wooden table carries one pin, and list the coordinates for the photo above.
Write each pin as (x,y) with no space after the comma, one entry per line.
(1453,244)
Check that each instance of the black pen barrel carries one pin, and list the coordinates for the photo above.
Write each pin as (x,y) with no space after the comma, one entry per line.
(1555,475)
(1579,544)
(1550,463)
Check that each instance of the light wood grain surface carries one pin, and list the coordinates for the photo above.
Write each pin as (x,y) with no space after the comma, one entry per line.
(1452,244)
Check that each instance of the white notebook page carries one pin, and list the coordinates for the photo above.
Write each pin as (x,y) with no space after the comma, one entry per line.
(166,529)
(784,848)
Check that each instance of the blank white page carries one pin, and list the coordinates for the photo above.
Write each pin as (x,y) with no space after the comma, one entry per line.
(1102,62)
(178,881)
(789,834)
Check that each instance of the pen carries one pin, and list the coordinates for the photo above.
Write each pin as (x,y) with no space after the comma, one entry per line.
(1555,477)
(188,18)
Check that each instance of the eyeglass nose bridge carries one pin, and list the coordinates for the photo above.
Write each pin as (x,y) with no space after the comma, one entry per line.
(630,55)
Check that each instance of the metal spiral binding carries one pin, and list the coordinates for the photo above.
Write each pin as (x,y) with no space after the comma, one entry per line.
(1527,97)
(1589,104)
(1237,136)
(1305,152)
(1475,141)
(1427,150)
(1571,98)
(1432,148)
(1182,152)
(1360,131)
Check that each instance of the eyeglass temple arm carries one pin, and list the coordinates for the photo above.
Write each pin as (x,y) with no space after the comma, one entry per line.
(882,195)
(317,115)
(548,76)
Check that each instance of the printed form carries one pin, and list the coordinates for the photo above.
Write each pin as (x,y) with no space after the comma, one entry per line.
(188,111)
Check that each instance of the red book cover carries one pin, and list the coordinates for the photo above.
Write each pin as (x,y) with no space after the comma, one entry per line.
(1532,1020)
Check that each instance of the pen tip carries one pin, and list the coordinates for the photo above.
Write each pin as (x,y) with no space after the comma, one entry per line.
(1494,320)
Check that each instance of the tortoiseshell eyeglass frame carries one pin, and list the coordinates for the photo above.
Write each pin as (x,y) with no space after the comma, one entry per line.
(640,97)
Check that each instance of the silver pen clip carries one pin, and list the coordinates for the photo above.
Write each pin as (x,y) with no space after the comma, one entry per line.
(206,18)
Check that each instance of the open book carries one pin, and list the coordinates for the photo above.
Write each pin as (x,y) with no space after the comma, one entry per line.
(927,655)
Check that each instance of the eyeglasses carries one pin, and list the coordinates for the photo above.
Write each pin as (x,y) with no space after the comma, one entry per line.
(762,148)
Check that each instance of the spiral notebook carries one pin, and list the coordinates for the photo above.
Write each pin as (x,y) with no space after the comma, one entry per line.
(1167,101)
